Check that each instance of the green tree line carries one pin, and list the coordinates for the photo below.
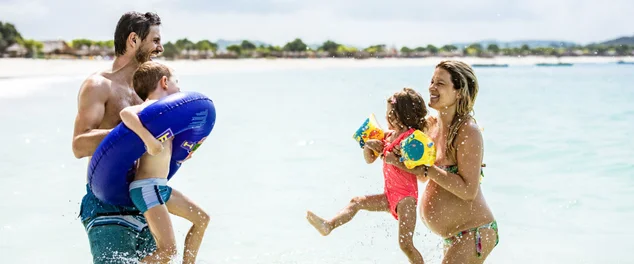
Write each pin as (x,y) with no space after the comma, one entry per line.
(185,48)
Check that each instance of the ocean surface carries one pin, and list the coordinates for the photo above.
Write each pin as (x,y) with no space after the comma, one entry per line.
(558,148)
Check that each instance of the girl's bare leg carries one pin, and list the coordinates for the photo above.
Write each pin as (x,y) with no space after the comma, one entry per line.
(406,210)
(375,203)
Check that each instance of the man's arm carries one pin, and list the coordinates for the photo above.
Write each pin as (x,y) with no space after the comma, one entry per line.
(91,105)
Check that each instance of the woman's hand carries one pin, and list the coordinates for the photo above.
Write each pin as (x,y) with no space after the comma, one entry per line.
(393,157)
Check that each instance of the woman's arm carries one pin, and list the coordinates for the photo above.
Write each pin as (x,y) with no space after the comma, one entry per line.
(393,157)
(469,160)
(469,149)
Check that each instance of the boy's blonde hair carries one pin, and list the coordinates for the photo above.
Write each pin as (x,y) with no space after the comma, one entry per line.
(147,76)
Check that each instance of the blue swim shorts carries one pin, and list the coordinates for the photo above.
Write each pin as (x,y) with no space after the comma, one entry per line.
(147,193)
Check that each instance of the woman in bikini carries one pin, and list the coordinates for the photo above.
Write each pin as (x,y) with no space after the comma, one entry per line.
(452,204)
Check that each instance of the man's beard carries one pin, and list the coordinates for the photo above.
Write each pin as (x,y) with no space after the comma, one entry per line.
(142,56)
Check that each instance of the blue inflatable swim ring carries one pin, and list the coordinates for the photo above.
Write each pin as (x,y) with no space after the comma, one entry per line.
(188,117)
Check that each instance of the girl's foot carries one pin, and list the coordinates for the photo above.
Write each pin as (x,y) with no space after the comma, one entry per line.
(320,224)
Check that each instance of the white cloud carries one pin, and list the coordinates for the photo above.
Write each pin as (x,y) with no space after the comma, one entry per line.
(18,10)
(354,22)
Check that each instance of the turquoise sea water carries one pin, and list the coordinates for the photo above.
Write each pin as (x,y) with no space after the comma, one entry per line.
(558,149)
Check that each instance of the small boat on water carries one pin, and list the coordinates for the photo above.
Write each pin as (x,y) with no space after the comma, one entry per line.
(625,62)
(492,65)
(560,64)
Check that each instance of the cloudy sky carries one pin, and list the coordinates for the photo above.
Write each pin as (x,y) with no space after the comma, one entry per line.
(353,22)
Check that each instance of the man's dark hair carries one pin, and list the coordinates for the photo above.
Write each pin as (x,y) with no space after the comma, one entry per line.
(136,22)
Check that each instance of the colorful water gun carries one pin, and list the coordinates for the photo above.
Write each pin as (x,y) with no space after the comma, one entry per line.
(370,129)
(417,149)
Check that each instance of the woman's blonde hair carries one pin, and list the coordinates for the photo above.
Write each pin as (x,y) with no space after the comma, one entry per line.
(464,80)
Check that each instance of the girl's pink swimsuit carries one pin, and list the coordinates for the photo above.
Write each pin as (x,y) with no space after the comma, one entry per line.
(398,183)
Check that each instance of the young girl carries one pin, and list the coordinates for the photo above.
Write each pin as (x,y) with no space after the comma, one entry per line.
(406,112)
(149,190)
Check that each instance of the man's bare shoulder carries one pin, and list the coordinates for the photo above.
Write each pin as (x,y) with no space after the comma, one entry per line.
(96,84)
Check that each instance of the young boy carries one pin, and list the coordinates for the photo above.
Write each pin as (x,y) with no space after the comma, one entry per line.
(149,191)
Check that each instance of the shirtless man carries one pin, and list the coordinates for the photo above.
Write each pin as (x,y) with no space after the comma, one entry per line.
(116,234)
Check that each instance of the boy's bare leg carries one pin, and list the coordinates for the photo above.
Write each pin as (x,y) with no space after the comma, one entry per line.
(180,205)
(160,224)
(406,211)
(377,202)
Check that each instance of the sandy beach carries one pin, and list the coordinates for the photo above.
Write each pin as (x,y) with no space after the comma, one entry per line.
(25,68)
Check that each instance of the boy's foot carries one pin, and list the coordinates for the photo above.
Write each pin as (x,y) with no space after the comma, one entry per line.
(320,224)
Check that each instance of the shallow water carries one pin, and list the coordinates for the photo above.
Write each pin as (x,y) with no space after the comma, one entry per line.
(558,149)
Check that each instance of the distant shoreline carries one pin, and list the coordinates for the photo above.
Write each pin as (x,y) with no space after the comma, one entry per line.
(11,68)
